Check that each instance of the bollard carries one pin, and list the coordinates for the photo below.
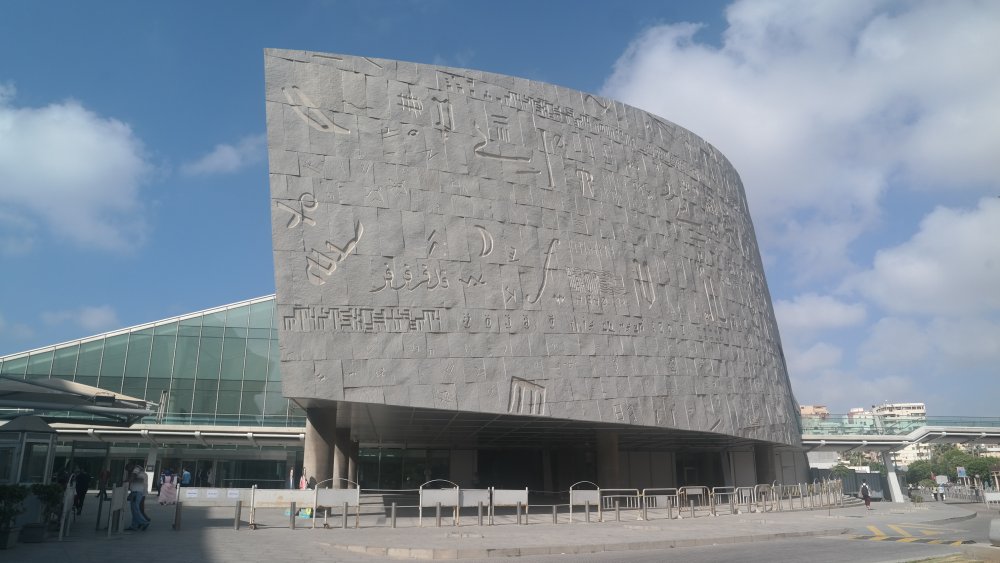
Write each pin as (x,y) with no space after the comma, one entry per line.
(479,513)
(177,518)
(645,513)
(555,517)
(291,516)
(392,515)
(236,521)
(586,508)
(670,509)
(437,514)
(343,523)
(357,516)
(618,512)
(691,505)
(518,513)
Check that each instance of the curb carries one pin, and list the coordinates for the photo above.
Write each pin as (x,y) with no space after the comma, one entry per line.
(482,553)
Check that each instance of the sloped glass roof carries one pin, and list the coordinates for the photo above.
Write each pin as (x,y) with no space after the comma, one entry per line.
(214,367)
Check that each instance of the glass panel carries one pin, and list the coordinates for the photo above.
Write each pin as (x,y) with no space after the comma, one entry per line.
(252,403)
(89,363)
(274,403)
(236,321)
(189,330)
(154,386)
(206,392)
(229,402)
(168,329)
(212,331)
(273,361)
(161,364)
(217,318)
(260,314)
(113,363)
(209,358)
(137,363)
(64,364)
(233,352)
(180,397)
(186,357)
(33,467)
(135,388)
(191,321)
(15,366)
(256,360)
(40,365)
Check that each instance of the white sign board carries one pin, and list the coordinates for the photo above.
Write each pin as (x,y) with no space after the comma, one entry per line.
(337,497)
(431,497)
(942,479)
(510,497)
(472,497)
(582,497)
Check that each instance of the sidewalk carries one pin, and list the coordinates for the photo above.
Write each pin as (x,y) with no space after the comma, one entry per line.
(207,535)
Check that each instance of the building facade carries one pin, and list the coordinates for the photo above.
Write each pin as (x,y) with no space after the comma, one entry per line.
(550,285)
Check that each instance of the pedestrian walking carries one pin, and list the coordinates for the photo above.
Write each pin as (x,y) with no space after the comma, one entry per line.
(866,494)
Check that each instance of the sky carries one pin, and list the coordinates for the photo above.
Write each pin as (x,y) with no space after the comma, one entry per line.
(133,166)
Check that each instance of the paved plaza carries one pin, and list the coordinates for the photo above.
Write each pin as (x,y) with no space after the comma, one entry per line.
(208,535)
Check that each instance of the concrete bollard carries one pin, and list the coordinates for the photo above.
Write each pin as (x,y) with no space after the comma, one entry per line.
(392,515)
(618,512)
(177,517)
(519,512)
(343,523)
(691,505)
(586,508)
(437,514)
(995,532)
(291,516)
(236,520)
(555,517)
(479,512)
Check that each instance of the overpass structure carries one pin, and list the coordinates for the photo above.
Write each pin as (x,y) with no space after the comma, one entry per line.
(842,433)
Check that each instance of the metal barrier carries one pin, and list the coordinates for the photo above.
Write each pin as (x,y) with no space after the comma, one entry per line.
(693,497)
(992,499)
(437,499)
(650,503)
(511,498)
(723,496)
(659,498)
(585,498)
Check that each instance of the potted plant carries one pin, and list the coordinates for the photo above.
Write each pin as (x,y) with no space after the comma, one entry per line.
(11,504)
(51,499)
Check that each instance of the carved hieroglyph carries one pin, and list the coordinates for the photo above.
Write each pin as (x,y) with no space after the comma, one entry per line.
(455,239)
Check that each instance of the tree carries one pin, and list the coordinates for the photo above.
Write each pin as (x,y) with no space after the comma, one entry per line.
(840,470)
(918,471)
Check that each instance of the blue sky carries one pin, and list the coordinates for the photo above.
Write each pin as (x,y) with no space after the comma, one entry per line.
(133,171)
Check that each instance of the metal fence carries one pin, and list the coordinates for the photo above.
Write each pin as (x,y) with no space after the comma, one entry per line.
(443,503)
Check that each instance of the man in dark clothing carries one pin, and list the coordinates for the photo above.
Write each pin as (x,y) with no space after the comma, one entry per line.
(82,484)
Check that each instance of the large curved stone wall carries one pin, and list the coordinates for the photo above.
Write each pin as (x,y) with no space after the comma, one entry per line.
(460,240)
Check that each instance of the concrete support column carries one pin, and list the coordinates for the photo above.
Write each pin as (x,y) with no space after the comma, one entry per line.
(321,427)
(764,462)
(352,462)
(894,489)
(341,448)
(607,460)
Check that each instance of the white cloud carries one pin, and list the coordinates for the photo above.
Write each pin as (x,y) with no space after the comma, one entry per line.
(842,390)
(73,171)
(226,158)
(821,106)
(94,319)
(951,266)
(894,343)
(815,312)
(817,358)
(15,331)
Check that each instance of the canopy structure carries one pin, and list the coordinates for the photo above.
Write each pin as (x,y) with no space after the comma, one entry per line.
(52,400)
